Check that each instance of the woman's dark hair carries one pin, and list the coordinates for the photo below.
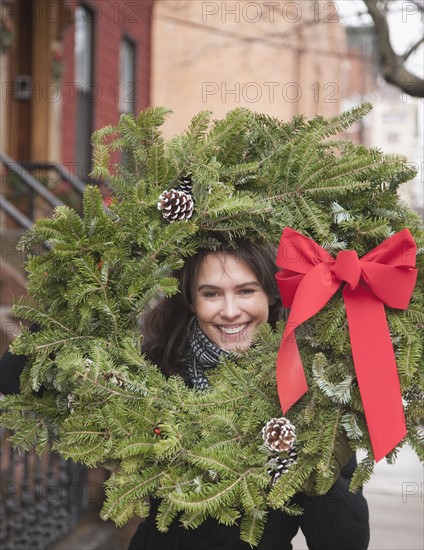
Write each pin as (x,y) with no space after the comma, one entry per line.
(166,326)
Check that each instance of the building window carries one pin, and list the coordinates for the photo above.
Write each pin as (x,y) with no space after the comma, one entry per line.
(84,24)
(393,118)
(83,47)
(393,137)
(127,84)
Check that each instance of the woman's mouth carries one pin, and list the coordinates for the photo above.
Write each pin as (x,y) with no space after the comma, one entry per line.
(232,329)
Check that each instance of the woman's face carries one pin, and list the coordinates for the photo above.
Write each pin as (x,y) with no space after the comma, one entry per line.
(229,302)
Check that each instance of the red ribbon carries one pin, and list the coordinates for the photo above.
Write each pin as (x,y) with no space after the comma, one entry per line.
(386,275)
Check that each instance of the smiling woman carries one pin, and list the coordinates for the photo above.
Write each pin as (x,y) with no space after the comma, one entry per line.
(229,302)
(224,294)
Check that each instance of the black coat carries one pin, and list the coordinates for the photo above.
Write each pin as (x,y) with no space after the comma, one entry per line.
(11,367)
(337,520)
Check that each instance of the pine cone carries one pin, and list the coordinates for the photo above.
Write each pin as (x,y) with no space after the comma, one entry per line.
(114,378)
(186,184)
(279,435)
(72,402)
(175,205)
(278,465)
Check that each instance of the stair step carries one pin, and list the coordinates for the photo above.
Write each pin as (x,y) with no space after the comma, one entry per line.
(9,238)
(13,284)
(92,535)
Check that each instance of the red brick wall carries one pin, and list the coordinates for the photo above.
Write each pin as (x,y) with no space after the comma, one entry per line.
(114,19)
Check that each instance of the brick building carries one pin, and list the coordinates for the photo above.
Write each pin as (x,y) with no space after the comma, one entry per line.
(282,58)
(70,68)
(67,68)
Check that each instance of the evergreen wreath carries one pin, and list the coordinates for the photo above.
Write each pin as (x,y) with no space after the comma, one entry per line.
(89,393)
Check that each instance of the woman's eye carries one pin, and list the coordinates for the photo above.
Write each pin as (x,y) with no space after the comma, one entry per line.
(247,291)
(210,294)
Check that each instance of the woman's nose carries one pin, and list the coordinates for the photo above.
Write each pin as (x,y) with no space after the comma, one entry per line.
(230,308)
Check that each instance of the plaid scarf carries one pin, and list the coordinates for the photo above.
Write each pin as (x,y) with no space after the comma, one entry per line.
(202,355)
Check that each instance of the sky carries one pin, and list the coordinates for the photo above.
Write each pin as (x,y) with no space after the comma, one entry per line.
(406,27)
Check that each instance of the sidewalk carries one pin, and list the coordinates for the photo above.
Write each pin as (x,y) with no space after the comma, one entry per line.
(395,498)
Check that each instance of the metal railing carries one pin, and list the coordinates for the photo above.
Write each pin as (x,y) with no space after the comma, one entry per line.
(74,181)
(41,498)
(28,180)
(20,218)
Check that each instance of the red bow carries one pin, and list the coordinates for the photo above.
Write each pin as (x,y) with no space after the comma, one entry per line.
(386,275)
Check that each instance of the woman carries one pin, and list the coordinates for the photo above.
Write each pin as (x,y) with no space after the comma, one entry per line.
(224,296)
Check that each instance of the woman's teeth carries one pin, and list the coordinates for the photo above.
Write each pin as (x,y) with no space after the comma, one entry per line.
(233,330)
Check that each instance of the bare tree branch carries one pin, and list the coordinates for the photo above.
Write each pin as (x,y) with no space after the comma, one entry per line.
(412,49)
(392,65)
